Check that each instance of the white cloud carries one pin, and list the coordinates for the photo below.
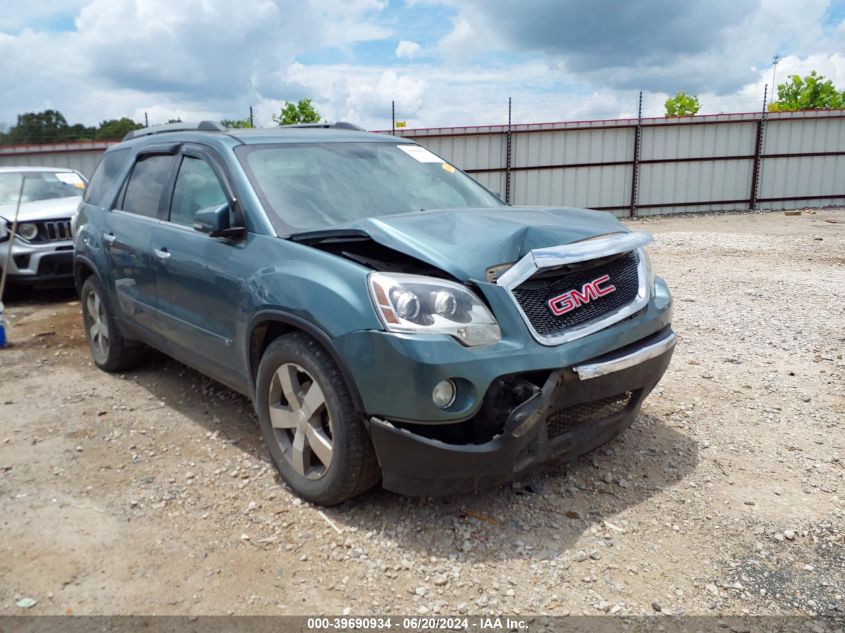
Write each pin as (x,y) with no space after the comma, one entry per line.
(407,50)
(655,45)
(464,39)
(214,58)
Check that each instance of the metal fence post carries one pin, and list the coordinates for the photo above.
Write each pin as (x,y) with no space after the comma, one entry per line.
(635,161)
(508,146)
(758,148)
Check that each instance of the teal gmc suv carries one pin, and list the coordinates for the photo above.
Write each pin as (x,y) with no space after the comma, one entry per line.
(391,319)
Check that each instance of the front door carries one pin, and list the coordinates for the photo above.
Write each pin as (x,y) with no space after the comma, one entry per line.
(198,287)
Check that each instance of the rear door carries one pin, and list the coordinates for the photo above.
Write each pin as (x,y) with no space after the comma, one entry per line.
(197,276)
(128,234)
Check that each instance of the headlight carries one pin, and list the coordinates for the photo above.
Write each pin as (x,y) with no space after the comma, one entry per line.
(417,304)
(28,230)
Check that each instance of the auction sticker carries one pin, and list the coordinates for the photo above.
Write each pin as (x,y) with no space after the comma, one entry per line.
(420,154)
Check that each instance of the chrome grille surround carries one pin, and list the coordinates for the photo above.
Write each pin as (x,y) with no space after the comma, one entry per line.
(54,230)
(555,256)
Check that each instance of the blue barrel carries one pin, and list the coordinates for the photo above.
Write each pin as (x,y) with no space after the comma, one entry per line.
(2,327)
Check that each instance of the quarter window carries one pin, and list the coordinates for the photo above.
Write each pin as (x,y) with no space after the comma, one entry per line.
(104,176)
(197,187)
(149,176)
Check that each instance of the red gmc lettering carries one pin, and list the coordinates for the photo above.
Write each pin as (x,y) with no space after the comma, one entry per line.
(572,299)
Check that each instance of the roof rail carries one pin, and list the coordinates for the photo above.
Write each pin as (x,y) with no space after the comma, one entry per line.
(337,125)
(205,126)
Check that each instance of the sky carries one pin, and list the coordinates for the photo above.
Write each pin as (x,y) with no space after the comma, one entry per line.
(443,62)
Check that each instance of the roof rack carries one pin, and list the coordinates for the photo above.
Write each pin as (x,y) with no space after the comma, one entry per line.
(337,125)
(205,126)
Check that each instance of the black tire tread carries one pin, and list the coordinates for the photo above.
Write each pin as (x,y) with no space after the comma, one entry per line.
(364,472)
(122,357)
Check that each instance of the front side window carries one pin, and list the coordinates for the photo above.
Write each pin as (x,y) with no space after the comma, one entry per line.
(197,187)
(317,185)
(143,191)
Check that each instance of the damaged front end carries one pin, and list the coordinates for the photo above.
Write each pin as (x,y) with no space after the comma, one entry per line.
(585,336)
(521,425)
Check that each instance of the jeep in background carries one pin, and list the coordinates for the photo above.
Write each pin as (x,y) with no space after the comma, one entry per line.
(42,250)
(389,317)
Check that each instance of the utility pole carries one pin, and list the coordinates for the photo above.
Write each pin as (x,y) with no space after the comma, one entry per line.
(393,117)
(251,119)
(146,120)
(775,61)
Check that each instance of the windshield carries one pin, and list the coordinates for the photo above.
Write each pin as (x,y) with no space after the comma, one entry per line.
(40,185)
(317,185)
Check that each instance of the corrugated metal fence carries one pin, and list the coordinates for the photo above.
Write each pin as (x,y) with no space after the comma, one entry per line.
(627,166)
(659,165)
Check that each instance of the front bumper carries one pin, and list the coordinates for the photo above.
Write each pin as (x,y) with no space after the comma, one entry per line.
(37,263)
(578,409)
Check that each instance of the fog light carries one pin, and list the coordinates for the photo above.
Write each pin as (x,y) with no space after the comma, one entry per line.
(444,394)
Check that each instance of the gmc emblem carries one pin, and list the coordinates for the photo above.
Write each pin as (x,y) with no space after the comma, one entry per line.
(572,299)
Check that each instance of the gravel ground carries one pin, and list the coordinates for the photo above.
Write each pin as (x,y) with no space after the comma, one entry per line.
(151,493)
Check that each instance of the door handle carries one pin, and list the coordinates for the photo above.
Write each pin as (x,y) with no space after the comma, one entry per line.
(161,253)
(108,238)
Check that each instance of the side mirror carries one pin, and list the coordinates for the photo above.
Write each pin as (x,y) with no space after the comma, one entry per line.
(214,221)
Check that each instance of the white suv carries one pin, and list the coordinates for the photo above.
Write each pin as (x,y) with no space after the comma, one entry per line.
(43,245)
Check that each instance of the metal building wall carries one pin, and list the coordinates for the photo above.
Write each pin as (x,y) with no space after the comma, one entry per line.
(83,157)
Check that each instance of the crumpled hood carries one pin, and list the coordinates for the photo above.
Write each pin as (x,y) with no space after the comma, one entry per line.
(55,209)
(466,242)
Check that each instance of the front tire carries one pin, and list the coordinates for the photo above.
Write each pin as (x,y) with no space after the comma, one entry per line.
(316,438)
(107,345)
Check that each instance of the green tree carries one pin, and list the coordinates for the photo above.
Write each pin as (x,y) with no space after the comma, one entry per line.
(48,126)
(116,128)
(79,132)
(813,92)
(302,112)
(236,123)
(682,104)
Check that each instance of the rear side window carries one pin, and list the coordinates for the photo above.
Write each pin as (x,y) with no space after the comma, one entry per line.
(104,176)
(196,188)
(143,191)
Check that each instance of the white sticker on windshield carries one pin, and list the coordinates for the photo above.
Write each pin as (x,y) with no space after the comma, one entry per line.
(420,154)
(70,178)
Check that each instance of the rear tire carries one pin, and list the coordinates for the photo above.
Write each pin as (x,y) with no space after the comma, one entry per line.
(315,436)
(107,345)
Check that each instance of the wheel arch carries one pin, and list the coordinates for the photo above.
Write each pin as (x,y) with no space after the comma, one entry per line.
(267,325)
(82,269)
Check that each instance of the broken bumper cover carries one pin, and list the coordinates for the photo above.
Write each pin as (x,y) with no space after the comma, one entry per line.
(577,410)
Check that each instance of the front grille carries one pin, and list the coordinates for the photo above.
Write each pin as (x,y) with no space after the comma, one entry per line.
(54,230)
(534,294)
(565,420)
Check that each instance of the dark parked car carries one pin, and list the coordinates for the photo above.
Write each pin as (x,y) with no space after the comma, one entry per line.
(390,318)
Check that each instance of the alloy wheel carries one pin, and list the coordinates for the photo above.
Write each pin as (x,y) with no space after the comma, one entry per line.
(301,421)
(98,329)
